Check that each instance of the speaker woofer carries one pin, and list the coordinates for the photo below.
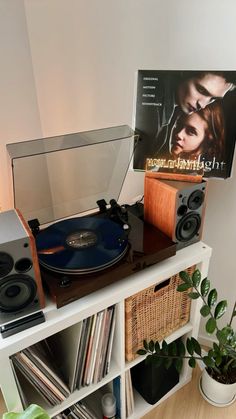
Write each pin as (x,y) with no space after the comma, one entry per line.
(195,200)
(16,292)
(188,226)
(6,264)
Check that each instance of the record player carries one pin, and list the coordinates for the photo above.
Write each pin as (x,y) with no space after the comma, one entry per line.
(67,188)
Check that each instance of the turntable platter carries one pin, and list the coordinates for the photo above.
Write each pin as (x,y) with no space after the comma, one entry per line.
(81,245)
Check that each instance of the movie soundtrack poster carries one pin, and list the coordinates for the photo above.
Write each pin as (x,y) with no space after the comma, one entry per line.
(186,122)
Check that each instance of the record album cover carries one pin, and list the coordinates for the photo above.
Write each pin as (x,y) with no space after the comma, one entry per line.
(186,122)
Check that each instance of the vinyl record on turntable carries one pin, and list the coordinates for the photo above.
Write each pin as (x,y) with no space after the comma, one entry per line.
(81,245)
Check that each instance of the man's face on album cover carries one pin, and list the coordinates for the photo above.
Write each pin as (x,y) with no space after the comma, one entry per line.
(196,93)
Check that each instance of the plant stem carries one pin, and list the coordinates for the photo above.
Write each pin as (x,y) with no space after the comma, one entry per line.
(228,364)
(175,356)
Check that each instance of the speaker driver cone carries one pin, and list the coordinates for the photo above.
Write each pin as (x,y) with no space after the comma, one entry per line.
(195,200)
(6,264)
(188,226)
(16,292)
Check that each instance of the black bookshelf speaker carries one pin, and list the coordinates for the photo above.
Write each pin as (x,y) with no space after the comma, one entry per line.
(177,208)
(21,291)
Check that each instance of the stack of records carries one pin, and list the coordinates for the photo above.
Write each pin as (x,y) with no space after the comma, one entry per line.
(85,349)
(36,366)
(80,410)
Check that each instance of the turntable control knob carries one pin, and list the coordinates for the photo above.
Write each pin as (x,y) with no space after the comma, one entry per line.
(64,282)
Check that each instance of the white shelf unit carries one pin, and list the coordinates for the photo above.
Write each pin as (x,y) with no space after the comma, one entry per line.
(58,319)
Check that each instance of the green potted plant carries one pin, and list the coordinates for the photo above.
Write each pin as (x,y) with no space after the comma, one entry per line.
(33,411)
(218,380)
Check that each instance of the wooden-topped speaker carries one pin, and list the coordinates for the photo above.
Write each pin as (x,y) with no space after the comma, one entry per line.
(176,208)
(21,291)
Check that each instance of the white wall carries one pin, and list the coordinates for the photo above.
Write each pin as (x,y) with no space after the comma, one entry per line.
(19,113)
(69,65)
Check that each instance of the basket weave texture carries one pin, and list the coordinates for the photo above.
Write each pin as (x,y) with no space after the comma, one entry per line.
(155,313)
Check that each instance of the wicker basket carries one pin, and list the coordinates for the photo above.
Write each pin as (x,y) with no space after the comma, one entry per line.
(155,313)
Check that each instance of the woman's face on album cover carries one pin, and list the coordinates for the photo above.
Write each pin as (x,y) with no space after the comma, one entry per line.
(188,134)
(196,93)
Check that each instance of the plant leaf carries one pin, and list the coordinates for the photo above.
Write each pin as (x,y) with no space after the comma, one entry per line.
(185,277)
(211,353)
(193,295)
(220,309)
(209,362)
(178,363)
(216,348)
(157,347)
(164,348)
(141,352)
(222,338)
(183,287)
(196,278)
(145,345)
(33,411)
(151,346)
(168,363)
(181,348)
(225,335)
(218,360)
(205,311)
(190,346)
(205,287)
(212,298)
(173,349)
(211,325)
(196,346)
(192,363)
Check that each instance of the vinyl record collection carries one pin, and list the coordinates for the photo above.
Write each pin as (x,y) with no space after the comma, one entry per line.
(71,359)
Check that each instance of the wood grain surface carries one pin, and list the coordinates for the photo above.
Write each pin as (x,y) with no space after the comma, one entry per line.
(187,403)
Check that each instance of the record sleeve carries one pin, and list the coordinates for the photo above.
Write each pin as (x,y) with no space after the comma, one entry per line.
(186,122)
(65,346)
